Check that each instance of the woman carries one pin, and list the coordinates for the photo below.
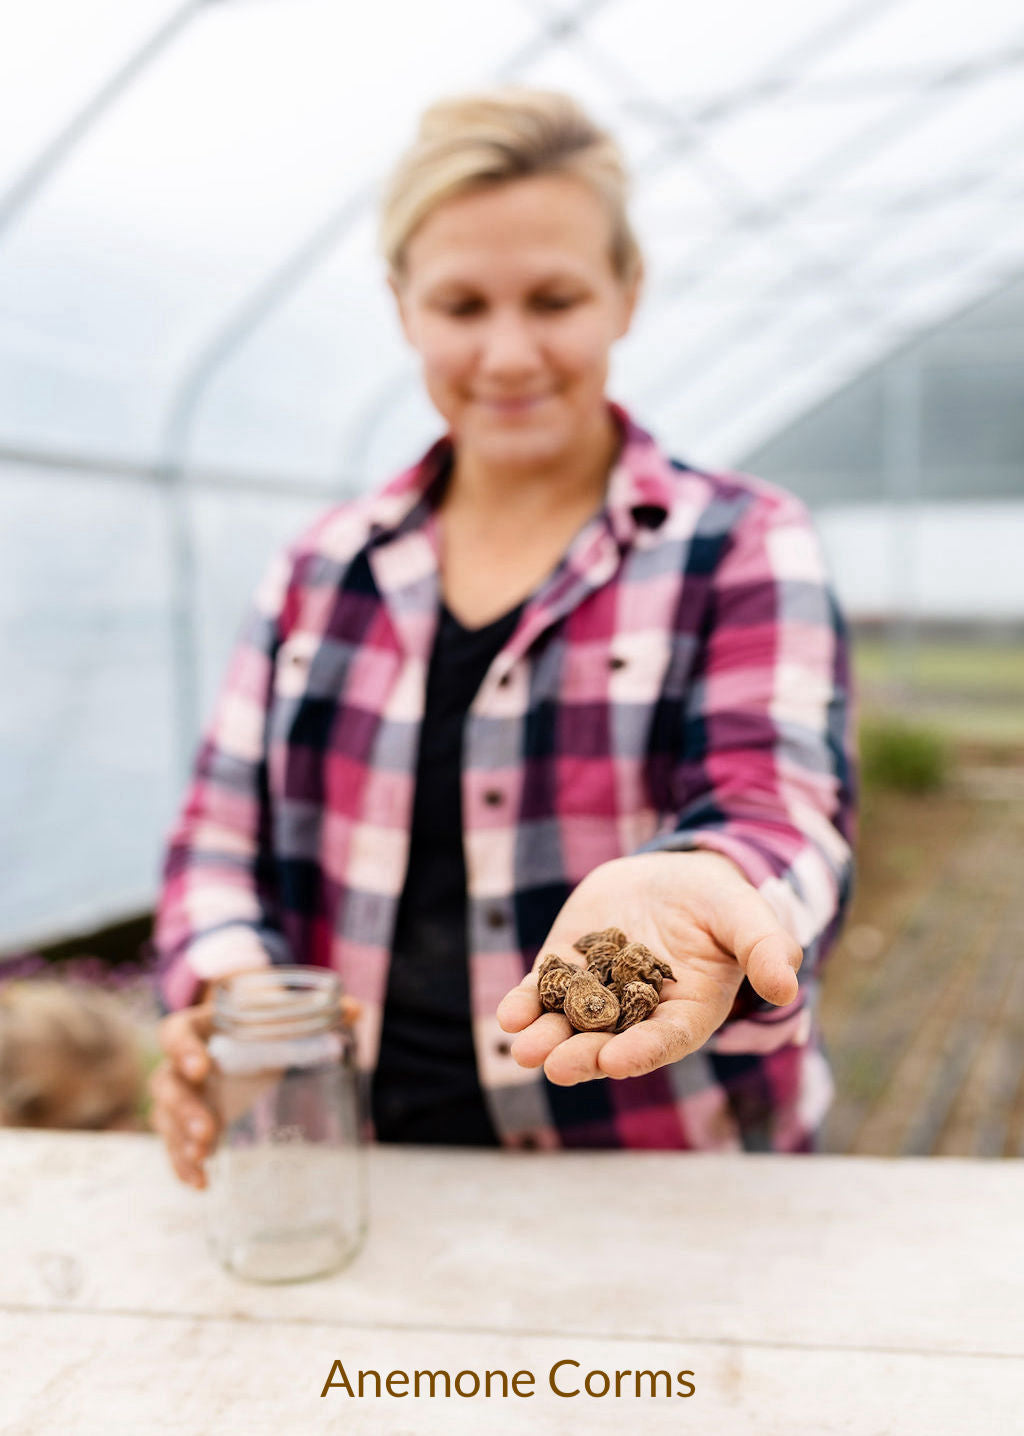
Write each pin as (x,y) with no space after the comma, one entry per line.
(545,681)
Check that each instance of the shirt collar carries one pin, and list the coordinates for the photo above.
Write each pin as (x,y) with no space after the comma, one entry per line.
(639,493)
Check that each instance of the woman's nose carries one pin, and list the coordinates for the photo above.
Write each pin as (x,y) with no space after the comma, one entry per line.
(508,343)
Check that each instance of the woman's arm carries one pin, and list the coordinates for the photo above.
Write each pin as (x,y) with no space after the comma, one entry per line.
(752,877)
(216,910)
(767,770)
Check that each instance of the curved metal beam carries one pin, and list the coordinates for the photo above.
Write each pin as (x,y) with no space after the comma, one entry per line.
(31,181)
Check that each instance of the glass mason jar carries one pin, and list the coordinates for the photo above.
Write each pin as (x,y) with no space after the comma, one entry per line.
(287,1181)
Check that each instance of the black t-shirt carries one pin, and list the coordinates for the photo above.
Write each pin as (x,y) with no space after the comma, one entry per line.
(426,1088)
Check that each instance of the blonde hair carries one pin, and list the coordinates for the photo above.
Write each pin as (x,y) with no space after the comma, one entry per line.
(490,137)
(68,1058)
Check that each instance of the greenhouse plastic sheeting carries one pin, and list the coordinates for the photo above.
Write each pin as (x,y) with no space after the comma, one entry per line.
(197,346)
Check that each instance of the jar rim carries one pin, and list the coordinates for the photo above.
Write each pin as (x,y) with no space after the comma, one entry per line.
(278,994)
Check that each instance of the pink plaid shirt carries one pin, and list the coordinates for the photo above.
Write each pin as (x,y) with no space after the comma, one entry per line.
(679,681)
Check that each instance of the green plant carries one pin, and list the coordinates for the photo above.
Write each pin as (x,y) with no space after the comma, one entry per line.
(906,756)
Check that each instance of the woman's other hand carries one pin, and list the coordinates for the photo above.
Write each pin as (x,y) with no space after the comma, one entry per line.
(695,909)
(181,1112)
(181,1115)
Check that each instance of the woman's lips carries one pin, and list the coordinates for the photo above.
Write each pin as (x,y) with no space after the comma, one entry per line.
(514,405)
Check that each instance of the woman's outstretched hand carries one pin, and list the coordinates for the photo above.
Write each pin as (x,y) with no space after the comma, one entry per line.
(696,910)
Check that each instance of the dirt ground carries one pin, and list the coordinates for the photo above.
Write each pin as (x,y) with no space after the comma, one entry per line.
(923,997)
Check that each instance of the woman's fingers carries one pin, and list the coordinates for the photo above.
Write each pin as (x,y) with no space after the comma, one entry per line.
(181,1116)
(771,966)
(547,1039)
(536,1041)
(770,956)
(576,1059)
(183,1037)
(184,1121)
(521,1006)
(673,1031)
(676,1027)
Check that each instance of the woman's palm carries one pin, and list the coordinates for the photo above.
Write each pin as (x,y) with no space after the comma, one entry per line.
(696,914)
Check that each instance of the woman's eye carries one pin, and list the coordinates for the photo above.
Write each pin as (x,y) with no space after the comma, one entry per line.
(468,308)
(555,301)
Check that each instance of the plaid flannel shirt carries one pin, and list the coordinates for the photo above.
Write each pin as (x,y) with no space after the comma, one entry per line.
(679,681)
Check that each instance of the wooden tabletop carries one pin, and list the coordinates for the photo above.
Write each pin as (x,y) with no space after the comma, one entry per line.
(803,1294)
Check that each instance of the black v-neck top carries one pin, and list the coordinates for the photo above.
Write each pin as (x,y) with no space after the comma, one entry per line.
(425,1087)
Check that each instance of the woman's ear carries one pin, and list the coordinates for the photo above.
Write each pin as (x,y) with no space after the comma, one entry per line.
(633,290)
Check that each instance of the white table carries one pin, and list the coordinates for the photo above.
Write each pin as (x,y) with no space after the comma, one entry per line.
(808,1295)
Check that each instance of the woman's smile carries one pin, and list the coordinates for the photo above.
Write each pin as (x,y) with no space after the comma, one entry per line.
(523,404)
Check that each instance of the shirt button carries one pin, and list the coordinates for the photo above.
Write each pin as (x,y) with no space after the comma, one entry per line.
(493,797)
(616,662)
(503,1049)
(504,680)
(495,917)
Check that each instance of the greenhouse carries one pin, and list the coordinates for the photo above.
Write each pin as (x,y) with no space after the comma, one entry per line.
(198,349)
(510,576)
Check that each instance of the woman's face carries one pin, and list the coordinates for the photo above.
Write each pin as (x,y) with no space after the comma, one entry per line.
(511,301)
